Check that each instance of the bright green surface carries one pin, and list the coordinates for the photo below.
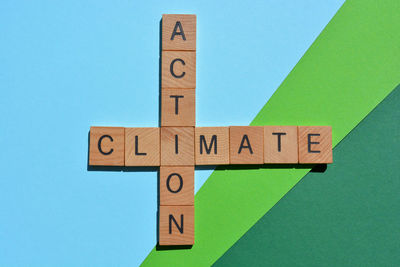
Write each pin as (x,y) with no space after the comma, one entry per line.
(347,216)
(348,70)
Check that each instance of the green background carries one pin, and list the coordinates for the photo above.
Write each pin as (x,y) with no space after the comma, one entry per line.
(346,216)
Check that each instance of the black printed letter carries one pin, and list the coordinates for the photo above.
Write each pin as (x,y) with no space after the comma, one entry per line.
(208,149)
(181,32)
(176,144)
(245,138)
(137,147)
(99,145)
(171,218)
(180,183)
(312,143)
(171,68)
(279,140)
(176,102)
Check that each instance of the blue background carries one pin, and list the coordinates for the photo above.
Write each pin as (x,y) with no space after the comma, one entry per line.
(66,66)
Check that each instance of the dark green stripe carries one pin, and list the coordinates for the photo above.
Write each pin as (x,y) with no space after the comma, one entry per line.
(347,216)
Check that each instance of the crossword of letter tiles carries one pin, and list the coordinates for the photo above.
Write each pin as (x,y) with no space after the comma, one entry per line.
(177,146)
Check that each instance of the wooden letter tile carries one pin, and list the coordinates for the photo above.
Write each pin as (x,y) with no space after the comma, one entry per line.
(176,225)
(212,145)
(178,107)
(280,144)
(246,144)
(106,146)
(315,144)
(178,32)
(176,186)
(178,70)
(177,146)
(142,146)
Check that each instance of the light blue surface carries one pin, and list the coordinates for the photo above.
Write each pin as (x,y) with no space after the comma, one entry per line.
(67,66)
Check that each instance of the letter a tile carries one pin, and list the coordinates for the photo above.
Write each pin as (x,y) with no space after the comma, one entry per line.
(178,32)
(246,144)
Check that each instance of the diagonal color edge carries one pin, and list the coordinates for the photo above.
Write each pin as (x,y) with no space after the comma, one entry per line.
(336,217)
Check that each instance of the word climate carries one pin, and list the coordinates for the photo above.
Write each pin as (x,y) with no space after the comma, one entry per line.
(177,146)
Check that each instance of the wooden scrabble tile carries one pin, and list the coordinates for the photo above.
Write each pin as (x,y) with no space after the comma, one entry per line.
(211,145)
(176,185)
(142,146)
(176,225)
(315,144)
(178,70)
(178,32)
(178,107)
(177,146)
(106,146)
(246,144)
(280,144)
